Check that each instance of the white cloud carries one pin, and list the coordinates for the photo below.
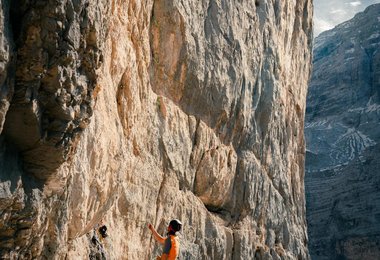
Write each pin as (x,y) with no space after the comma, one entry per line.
(328,13)
(356,3)
(321,25)
(338,11)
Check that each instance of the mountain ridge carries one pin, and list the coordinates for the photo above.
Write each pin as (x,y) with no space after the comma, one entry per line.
(341,129)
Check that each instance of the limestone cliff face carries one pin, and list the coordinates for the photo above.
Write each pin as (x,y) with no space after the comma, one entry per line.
(130,112)
(343,141)
(6,78)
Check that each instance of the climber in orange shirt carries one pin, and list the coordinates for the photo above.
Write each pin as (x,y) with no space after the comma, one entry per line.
(171,243)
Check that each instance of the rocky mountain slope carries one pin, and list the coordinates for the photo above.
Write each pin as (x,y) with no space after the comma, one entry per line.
(129,112)
(343,141)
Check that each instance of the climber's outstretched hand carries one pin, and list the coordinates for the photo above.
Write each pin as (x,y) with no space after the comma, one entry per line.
(156,236)
(150,226)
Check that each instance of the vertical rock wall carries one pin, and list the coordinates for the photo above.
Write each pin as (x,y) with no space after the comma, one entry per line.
(6,78)
(143,111)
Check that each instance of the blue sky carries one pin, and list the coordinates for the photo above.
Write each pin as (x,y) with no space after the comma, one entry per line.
(328,13)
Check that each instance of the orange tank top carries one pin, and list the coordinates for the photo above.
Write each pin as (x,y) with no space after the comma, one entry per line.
(171,247)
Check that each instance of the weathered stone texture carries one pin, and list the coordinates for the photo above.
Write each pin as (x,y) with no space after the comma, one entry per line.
(199,116)
(6,77)
(58,51)
(342,133)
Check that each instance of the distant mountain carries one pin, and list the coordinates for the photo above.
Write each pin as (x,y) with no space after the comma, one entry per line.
(342,132)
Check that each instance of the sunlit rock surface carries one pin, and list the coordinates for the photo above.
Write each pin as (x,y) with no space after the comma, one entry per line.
(130,112)
(343,141)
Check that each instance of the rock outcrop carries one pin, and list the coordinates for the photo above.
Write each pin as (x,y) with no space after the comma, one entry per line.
(130,112)
(6,68)
(343,141)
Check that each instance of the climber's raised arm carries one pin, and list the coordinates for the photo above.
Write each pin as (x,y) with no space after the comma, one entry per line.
(171,242)
(156,236)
